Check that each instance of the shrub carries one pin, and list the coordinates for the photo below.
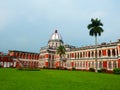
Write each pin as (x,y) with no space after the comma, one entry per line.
(65,68)
(99,71)
(45,67)
(103,70)
(11,66)
(1,66)
(92,69)
(116,71)
(58,68)
(73,68)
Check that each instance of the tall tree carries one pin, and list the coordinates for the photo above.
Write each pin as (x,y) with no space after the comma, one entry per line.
(61,51)
(95,28)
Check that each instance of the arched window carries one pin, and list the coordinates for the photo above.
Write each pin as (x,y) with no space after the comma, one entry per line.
(109,54)
(89,54)
(53,57)
(75,55)
(92,54)
(109,65)
(117,52)
(68,56)
(89,64)
(80,64)
(77,64)
(92,64)
(114,64)
(49,56)
(81,54)
(86,54)
(113,52)
(56,44)
(78,55)
(100,64)
(83,64)
(99,53)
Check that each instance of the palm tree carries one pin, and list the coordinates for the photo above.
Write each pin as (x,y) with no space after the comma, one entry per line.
(61,51)
(95,30)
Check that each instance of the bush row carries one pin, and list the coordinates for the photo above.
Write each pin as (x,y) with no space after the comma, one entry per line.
(29,69)
(102,70)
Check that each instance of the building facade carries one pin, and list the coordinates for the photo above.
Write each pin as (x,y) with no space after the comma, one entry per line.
(81,58)
(16,58)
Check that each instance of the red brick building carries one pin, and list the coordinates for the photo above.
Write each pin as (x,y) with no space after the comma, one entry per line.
(80,58)
(16,58)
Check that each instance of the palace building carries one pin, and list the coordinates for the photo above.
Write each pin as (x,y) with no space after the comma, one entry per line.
(81,58)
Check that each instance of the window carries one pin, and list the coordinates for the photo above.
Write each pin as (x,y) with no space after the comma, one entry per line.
(92,64)
(56,44)
(117,52)
(84,64)
(89,64)
(67,55)
(80,64)
(113,52)
(75,55)
(99,53)
(68,64)
(109,65)
(81,54)
(78,55)
(114,64)
(100,64)
(92,54)
(109,53)
(89,54)
(76,64)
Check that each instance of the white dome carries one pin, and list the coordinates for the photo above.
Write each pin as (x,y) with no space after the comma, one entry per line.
(55,36)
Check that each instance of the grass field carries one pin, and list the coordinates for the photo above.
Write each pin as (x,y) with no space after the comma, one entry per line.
(12,79)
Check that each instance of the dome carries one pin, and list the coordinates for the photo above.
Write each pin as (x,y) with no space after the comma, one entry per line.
(55,36)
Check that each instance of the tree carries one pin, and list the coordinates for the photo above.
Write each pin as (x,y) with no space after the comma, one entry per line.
(61,51)
(95,28)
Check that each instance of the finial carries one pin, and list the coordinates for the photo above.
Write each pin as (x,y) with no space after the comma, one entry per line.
(55,31)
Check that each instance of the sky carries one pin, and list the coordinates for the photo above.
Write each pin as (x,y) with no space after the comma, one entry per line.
(27,25)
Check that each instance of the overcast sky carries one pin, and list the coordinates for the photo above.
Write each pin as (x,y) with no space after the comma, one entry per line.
(27,25)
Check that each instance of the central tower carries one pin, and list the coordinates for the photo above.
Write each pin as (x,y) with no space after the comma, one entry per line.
(48,56)
(55,40)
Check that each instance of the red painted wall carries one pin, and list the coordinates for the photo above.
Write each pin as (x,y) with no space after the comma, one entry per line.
(72,64)
(46,56)
(104,64)
(119,63)
(72,55)
(46,64)
(104,52)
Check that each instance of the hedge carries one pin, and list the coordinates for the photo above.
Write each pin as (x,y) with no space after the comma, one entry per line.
(116,70)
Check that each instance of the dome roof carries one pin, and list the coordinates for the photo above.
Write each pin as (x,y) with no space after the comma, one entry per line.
(55,36)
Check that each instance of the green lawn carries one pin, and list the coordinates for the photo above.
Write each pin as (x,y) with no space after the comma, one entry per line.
(12,79)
